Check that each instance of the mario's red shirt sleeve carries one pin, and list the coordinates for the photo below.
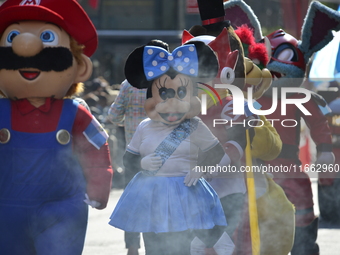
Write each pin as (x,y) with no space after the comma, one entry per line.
(94,156)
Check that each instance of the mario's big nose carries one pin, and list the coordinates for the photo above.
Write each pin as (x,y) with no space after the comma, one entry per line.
(26,45)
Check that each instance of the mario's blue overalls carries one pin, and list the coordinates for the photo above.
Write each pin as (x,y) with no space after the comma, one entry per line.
(42,189)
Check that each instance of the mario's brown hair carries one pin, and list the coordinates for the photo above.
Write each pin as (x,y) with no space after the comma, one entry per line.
(77,50)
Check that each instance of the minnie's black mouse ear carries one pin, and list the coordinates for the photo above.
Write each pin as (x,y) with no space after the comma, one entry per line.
(207,61)
(134,70)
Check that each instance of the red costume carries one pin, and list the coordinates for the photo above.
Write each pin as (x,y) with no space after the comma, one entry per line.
(27,118)
(289,57)
(296,182)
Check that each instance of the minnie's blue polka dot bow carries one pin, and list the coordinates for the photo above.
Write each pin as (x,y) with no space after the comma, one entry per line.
(157,61)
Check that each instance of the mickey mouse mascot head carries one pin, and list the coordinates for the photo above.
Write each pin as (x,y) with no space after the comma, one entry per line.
(54,154)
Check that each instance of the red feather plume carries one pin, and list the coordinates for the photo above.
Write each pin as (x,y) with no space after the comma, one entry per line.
(255,50)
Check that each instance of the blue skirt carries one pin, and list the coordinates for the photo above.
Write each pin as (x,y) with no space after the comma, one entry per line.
(164,204)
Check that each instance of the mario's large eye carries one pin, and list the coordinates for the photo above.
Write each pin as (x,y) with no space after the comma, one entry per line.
(11,36)
(182,92)
(49,37)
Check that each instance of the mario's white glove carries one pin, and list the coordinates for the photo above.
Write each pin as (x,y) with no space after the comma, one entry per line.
(92,203)
(151,162)
(193,176)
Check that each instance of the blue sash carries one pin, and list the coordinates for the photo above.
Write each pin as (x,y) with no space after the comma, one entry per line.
(173,140)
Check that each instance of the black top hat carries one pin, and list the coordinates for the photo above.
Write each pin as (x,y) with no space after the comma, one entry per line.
(211,11)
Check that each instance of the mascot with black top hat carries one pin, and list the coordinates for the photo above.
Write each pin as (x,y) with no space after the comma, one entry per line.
(254,226)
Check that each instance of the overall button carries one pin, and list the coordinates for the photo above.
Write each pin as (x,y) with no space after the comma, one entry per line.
(63,136)
(5,135)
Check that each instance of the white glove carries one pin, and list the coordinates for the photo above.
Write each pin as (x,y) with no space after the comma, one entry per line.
(325,158)
(193,176)
(151,162)
(225,161)
(92,203)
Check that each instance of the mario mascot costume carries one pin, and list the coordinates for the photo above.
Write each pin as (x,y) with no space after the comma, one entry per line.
(54,155)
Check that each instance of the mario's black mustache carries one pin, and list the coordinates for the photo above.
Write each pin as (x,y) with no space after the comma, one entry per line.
(49,59)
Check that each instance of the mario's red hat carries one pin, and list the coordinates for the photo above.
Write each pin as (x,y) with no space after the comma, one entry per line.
(67,14)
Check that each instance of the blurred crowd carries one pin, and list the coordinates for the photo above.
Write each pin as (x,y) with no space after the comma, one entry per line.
(99,95)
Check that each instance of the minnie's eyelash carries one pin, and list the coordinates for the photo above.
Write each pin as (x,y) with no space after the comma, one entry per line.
(164,82)
(186,82)
(158,84)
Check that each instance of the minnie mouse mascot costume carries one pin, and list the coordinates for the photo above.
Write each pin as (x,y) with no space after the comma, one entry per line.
(167,201)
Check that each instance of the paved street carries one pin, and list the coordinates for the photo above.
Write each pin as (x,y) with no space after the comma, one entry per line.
(102,239)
